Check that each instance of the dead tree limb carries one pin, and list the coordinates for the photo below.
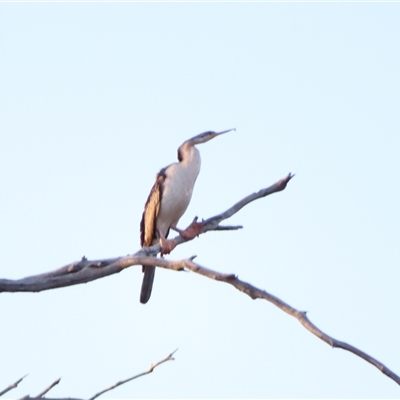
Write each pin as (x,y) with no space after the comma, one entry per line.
(12,386)
(41,395)
(56,382)
(43,392)
(301,316)
(149,371)
(85,271)
(254,293)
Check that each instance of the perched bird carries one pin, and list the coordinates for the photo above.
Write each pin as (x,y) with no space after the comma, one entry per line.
(168,201)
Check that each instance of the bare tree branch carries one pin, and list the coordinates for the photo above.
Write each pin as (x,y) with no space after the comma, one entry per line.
(40,396)
(228,227)
(149,371)
(56,382)
(48,398)
(251,291)
(12,386)
(84,271)
(211,223)
(301,316)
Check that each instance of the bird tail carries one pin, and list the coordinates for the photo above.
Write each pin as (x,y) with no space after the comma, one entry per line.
(147,283)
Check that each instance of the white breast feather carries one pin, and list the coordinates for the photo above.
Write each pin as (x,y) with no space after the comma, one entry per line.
(177,192)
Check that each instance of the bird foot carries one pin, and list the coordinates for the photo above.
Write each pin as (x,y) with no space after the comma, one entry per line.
(167,245)
(193,230)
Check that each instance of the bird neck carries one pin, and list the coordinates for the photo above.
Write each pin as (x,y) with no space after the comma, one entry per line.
(189,156)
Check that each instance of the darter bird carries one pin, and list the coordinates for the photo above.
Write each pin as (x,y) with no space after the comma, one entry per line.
(168,201)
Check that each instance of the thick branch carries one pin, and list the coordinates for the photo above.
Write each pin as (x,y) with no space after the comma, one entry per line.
(254,293)
(84,271)
(301,316)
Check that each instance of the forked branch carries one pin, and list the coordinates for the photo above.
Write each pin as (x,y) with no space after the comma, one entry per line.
(149,371)
(84,271)
(40,396)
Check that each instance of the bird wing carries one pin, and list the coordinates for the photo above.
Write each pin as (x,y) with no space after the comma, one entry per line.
(148,232)
(151,209)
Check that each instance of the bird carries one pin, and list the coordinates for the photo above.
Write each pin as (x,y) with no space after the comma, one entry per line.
(167,202)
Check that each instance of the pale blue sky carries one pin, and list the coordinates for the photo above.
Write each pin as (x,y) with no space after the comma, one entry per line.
(96,98)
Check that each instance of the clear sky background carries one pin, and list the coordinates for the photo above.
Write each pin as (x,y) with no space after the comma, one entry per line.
(96,98)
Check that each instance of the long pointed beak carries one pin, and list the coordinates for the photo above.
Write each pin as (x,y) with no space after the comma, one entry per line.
(220,133)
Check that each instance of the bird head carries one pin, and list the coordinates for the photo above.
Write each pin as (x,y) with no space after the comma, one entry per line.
(206,136)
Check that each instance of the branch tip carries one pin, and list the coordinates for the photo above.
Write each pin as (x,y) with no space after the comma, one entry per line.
(56,382)
(13,385)
(149,371)
(281,185)
(174,352)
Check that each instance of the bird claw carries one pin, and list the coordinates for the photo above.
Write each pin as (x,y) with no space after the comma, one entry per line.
(193,230)
(167,245)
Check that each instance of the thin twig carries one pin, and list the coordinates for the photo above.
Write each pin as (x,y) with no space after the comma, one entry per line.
(56,382)
(48,398)
(12,386)
(149,371)
(213,222)
(228,227)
